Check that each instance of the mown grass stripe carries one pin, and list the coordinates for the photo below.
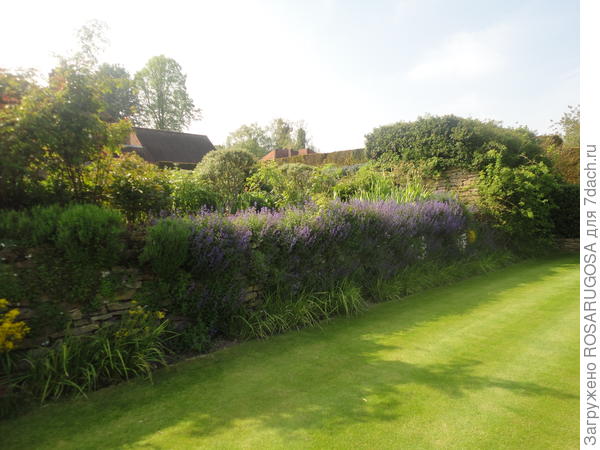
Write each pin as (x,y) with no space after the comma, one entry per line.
(490,362)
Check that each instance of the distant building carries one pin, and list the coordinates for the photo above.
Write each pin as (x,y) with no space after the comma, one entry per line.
(168,148)
(285,153)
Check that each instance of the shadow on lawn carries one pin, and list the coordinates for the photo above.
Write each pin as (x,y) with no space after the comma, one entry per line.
(313,379)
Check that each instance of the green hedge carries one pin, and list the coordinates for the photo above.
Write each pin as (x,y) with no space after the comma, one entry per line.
(341,158)
(450,142)
(566,214)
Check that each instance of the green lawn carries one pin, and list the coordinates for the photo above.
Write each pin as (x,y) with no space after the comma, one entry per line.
(491,362)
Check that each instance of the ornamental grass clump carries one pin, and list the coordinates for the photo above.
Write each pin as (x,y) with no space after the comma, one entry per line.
(78,364)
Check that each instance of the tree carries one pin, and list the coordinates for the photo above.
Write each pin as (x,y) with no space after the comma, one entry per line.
(14,86)
(568,127)
(281,133)
(57,131)
(117,92)
(92,40)
(300,138)
(226,171)
(163,101)
(261,140)
(251,138)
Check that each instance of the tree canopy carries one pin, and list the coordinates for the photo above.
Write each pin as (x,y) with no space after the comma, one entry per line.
(117,92)
(163,100)
(259,141)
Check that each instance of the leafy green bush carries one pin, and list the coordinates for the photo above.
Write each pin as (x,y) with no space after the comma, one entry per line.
(566,214)
(371,183)
(90,235)
(279,186)
(31,228)
(226,172)
(13,224)
(451,141)
(519,201)
(139,188)
(190,193)
(167,246)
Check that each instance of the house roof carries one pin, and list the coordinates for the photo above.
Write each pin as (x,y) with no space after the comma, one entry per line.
(162,145)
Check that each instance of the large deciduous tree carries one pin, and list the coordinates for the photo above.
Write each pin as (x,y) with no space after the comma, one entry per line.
(163,100)
(117,92)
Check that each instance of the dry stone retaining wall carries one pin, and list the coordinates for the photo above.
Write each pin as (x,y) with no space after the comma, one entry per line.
(459,181)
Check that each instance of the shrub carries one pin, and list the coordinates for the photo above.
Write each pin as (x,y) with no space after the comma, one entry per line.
(566,214)
(139,188)
(311,249)
(519,201)
(13,224)
(167,246)
(371,183)
(90,235)
(44,223)
(280,186)
(190,194)
(226,172)
(451,141)
(31,228)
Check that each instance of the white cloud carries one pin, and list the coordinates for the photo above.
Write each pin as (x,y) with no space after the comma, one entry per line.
(464,56)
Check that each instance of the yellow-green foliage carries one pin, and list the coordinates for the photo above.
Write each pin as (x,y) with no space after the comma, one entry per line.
(566,163)
(11,332)
(341,158)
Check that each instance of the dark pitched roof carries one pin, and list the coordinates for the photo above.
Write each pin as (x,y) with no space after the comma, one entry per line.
(161,145)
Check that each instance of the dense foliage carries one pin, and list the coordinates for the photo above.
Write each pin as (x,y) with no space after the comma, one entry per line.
(566,214)
(226,172)
(55,145)
(520,201)
(163,101)
(135,346)
(235,248)
(139,188)
(67,249)
(261,140)
(451,141)
(298,250)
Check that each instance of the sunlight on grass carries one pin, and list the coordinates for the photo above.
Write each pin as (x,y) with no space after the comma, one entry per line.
(490,362)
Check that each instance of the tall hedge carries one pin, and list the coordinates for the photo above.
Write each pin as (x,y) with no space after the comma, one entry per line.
(451,141)
(566,214)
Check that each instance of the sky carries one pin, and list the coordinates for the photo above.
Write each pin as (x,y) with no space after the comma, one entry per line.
(342,67)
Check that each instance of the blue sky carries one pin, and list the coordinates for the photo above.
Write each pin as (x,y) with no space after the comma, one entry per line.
(344,67)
